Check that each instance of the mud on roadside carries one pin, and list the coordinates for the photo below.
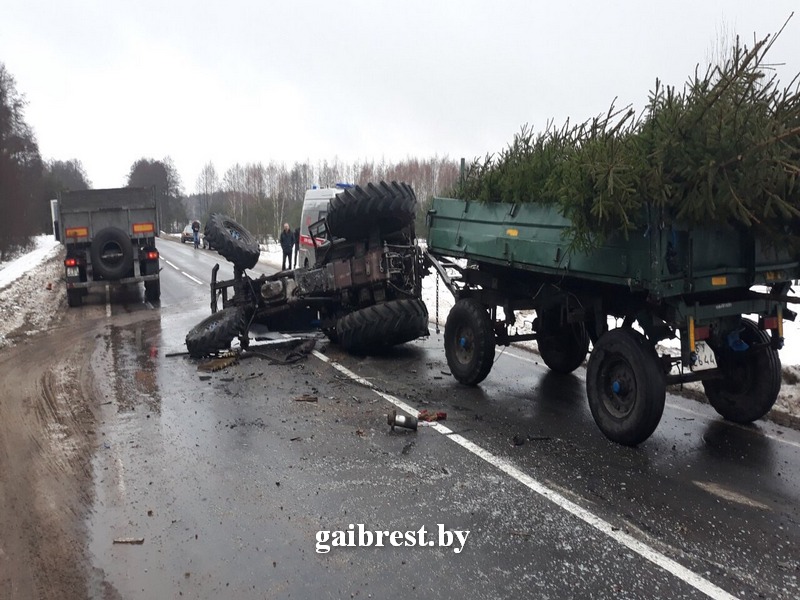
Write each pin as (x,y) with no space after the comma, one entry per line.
(47,438)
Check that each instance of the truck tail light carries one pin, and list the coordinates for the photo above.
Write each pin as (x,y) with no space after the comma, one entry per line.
(151,255)
(71,262)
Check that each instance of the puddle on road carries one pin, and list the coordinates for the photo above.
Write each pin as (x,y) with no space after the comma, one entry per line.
(128,359)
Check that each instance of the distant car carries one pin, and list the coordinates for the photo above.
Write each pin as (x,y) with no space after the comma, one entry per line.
(187,235)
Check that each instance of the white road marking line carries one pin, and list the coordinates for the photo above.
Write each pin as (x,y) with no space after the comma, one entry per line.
(730,495)
(195,279)
(176,267)
(108,301)
(697,413)
(640,548)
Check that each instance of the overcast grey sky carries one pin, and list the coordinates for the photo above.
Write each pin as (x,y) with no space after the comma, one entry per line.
(108,81)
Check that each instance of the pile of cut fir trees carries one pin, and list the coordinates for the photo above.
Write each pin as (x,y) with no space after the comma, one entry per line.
(724,149)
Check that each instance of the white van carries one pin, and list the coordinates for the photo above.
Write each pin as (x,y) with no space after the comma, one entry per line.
(315,207)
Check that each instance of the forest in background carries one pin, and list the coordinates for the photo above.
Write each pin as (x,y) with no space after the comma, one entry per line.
(261,196)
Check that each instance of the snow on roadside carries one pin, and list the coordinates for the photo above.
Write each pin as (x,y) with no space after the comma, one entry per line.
(27,306)
(10,271)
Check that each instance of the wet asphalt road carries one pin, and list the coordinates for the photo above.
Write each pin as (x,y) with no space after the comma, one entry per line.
(228,478)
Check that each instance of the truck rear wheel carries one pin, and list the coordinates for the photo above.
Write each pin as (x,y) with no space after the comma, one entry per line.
(626,386)
(112,253)
(563,346)
(152,290)
(216,332)
(354,212)
(382,325)
(232,241)
(469,342)
(752,378)
(74,298)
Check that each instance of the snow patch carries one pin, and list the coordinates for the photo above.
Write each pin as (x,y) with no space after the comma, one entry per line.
(46,247)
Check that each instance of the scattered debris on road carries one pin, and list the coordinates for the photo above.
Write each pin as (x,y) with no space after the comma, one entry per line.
(426,415)
(403,421)
(129,540)
(217,364)
(305,398)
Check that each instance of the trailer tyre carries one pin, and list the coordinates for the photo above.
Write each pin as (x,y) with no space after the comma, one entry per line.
(232,241)
(626,386)
(353,213)
(216,332)
(752,378)
(469,342)
(112,253)
(564,346)
(74,298)
(382,325)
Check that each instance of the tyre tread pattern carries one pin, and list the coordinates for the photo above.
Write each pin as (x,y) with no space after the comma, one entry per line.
(242,252)
(353,213)
(216,332)
(383,325)
(746,406)
(470,312)
(564,351)
(635,428)
(111,272)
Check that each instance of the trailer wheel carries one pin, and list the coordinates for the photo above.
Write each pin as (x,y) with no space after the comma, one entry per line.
(382,325)
(216,332)
(354,212)
(626,386)
(152,290)
(469,342)
(112,253)
(232,241)
(74,298)
(752,378)
(564,346)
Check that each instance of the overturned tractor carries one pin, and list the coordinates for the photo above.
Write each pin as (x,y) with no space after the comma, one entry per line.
(363,290)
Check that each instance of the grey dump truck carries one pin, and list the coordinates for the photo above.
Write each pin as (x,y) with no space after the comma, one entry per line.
(110,237)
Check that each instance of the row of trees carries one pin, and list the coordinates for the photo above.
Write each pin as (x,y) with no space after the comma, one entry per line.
(263,197)
(27,181)
(260,196)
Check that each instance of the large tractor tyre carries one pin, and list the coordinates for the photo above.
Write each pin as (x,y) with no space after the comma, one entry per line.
(626,386)
(112,253)
(216,332)
(353,213)
(152,290)
(752,378)
(232,241)
(382,325)
(563,346)
(469,341)
(74,298)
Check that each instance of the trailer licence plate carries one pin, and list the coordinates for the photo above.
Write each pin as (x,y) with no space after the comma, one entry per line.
(73,271)
(705,357)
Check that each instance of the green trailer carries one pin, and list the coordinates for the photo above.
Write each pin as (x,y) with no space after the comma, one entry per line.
(720,290)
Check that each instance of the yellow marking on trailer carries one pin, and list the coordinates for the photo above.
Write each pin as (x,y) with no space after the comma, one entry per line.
(143,228)
(692,347)
(512,232)
(719,280)
(77,232)
(774,275)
